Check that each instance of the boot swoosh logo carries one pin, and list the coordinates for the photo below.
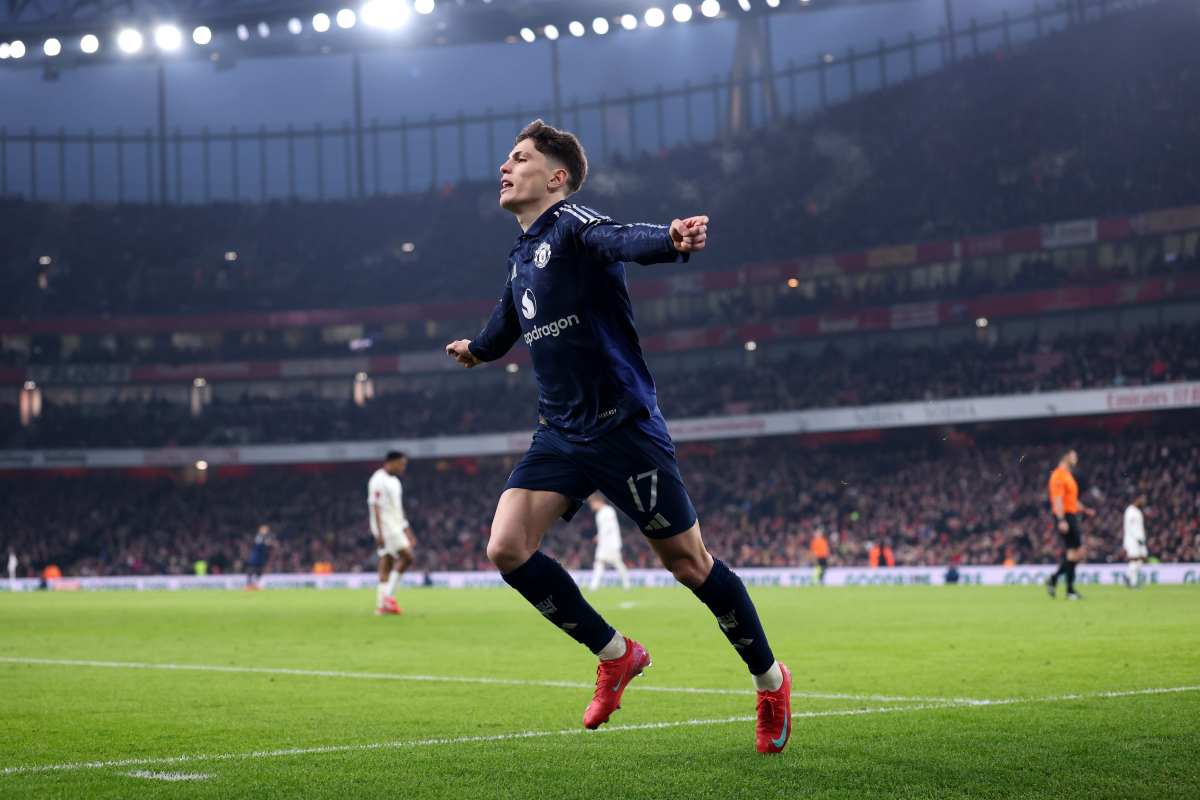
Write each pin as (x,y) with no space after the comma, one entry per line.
(623,674)
(783,736)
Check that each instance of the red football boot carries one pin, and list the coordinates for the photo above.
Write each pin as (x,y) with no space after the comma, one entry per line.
(612,676)
(389,607)
(775,716)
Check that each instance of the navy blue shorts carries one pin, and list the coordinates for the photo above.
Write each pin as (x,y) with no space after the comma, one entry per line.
(633,466)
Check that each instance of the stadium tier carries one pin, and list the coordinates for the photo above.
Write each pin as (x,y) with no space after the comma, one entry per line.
(974,496)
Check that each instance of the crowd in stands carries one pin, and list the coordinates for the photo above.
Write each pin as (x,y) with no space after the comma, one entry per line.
(1097,120)
(883,375)
(931,500)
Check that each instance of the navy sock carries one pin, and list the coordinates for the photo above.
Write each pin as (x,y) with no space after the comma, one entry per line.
(1070,565)
(543,582)
(727,598)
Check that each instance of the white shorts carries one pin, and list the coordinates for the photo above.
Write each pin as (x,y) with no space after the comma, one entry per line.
(393,543)
(1137,553)
(608,557)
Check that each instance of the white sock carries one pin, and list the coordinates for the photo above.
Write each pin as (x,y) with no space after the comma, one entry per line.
(769,681)
(393,579)
(1133,572)
(614,649)
(380,593)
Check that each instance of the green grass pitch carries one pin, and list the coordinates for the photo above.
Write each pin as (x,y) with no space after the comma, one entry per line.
(926,645)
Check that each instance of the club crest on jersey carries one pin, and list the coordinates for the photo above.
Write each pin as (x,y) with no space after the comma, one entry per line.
(541,256)
(529,304)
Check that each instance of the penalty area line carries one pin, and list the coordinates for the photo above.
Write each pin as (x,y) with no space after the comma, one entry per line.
(295,751)
(450,679)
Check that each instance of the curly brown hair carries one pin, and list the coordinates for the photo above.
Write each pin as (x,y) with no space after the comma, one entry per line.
(558,146)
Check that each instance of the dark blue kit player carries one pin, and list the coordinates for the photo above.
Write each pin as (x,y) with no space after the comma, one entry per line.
(259,554)
(599,426)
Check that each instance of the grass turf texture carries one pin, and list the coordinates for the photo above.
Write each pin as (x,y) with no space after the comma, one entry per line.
(1002,642)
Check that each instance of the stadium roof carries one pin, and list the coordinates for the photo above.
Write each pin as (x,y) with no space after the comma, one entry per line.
(64,34)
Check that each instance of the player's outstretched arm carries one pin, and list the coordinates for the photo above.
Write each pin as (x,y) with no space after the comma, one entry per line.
(688,235)
(608,240)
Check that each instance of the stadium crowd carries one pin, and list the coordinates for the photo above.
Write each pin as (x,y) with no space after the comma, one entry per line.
(1093,121)
(934,501)
(887,374)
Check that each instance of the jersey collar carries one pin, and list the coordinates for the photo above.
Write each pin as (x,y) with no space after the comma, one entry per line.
(545,221)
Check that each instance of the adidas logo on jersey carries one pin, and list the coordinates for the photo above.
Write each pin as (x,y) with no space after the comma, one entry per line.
(658,523)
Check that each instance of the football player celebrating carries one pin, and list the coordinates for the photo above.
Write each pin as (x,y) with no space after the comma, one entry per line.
(599,425)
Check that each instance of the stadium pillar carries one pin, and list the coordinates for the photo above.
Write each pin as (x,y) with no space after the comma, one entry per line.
(751,48)
(358,129)
(950,31)
(162,134)
(556,79)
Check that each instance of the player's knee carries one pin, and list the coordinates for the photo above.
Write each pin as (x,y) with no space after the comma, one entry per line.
(691,573)
(504,554)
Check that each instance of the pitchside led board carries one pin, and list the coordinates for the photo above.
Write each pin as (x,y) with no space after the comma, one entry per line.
(799,577)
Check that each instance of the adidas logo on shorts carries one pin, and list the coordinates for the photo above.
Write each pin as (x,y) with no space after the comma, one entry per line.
(658,523)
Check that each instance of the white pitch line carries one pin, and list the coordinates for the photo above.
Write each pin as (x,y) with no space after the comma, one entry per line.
(425,742)
(170,776)
(574,731)
(440,678)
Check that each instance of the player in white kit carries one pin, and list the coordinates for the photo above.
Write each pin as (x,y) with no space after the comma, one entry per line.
(1135,540)
(608,543)
(12,570)
(393,535)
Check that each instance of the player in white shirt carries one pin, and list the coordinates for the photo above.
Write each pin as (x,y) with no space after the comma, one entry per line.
(608,543)
(12,570)
(1135,540)
(389,525)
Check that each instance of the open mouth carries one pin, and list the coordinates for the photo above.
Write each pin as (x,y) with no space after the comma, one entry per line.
(505,185)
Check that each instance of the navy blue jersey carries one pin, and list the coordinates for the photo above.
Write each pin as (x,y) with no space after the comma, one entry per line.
(258,555)
(567,297)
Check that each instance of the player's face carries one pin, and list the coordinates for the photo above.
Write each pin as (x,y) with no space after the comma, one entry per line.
(397,467)
(526,178)
(1072,458)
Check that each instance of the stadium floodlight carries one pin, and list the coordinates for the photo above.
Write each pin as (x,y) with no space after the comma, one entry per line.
(52,47)
(346,18)
(528,35)
(89,43)
(655,17)
(710,8)
(745,4)
(600,25)
(320,23)
(981,322)
(202,35)
(424,6)
(512,368)
(628,21)
(751,346)
(17,49)
(201,465)
(773,3)
(5,51)
(576,29)
(551,32)
(295,26)
(167,37)
(243,32)
(390,14)
(129,40)
(682,12)
(264,30)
